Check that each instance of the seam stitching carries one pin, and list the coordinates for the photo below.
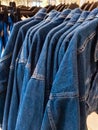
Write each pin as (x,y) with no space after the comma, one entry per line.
(96,49)
(64,95)
(82,48)
(28,65)
(51,117)
(38,76)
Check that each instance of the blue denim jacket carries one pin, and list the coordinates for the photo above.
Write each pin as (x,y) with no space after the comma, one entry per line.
(48,53)
(68,103)
(31,49)
(49,27)
(66,40)
(23,56)
(16,90)
(71,25)
(8,51)
(62,45)
(4,67)
(28,39)
(37,76)
(30,65)
(19,41)
(90,17)
(21,112)
(52,122)
(22,61)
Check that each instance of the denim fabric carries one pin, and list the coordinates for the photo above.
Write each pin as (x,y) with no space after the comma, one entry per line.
(5,34)
(30,65)
(22,59)
(61,56)
(32,47)
(90,17)
(66,39)
(64,45)
(18,82)
(54,41)
(2,95)
(36,77)
(1,38)
(2,101)
(28,40)
(10,23)
(68,102)
(6,60)
(38,43)
(7,55)
(51,50)
(1,46)
(25,50)
(17,88)
(5,63)
(1,25)
(15,93)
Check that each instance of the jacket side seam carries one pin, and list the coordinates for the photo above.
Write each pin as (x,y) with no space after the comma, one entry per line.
(51,117)
(82,48)
(38,76)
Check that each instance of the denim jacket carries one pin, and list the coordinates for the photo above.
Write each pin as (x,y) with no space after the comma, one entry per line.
(17,86)
(39,44)
(33,99)
(30,65)
(69,100)
(66,40)
(11,60)
(5,63)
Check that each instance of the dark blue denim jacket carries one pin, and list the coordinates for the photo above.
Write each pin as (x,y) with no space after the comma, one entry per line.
(60,48)
(7,60)
(38,75)
(71,25)
(22,57)
(30,65)
(4,66)
(66,40)
(90,17)
(23,30)
(26,48)
(17,89)
(28,39)
(49,27)
(71,92)
(56,93)
(20,116)
(51,48)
